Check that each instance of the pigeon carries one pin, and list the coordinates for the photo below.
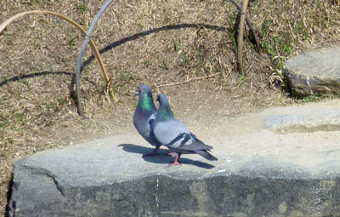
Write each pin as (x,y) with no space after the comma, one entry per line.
(144,117)
(175,135)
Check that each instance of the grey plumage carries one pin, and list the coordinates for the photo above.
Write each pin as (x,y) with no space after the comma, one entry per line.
(175,135)
(144,116)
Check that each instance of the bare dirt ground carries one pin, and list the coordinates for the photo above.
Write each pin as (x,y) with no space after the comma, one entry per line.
(185,48)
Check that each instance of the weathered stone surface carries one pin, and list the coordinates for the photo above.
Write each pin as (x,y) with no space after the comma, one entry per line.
(259,173)
(101,179)
(314,72)
(305,118)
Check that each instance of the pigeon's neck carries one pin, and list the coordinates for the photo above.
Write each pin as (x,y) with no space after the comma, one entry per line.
(146,103)
(165,113)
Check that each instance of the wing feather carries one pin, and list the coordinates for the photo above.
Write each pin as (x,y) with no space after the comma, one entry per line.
(174,134)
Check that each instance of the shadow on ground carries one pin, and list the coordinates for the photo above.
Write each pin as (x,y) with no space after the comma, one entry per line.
(32,75)
(113,45)
(163,158)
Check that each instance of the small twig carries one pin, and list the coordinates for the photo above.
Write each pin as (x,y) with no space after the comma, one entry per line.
(257,41)
(187,81)
(240,36)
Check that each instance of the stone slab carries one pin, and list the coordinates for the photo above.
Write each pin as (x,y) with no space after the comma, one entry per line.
(106,178)
(314,72)
(303,118)
(259,173)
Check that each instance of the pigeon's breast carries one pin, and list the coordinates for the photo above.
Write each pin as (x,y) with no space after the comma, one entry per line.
(142,123)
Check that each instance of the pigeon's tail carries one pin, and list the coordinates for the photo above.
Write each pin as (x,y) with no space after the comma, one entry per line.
(206,155)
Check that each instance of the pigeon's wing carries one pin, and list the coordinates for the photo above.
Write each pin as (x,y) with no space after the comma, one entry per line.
(174,134)
(152,134)
(195,146)
(151,120)
(169,132)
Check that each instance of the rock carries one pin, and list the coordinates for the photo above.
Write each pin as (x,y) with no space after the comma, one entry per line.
(258,174)
(304,118)
(314,72)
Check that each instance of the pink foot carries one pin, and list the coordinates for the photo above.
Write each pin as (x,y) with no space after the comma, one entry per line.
(150,154)
(176,159)
(153,153)
(175,163)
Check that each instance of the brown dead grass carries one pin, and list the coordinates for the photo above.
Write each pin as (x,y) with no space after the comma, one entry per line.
(161,43)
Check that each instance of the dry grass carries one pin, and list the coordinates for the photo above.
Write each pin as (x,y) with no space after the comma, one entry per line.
(154,42)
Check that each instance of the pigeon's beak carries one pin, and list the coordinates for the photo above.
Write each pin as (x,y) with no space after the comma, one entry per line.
(136,94)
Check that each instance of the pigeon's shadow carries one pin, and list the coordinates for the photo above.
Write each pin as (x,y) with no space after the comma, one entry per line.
(162,158)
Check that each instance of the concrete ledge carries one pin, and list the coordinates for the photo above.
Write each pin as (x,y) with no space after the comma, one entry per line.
(103,179)
(224,195)
(267,166)
(302,119)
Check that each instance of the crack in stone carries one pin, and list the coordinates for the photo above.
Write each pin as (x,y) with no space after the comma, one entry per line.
(45,172)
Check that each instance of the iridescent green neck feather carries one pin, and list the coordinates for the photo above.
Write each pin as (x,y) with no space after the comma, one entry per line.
(165,112)
(146,102)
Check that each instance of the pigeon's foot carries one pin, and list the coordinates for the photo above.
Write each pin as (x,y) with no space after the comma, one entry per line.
(172,154)
(175,163)
(176,159)
(153,154)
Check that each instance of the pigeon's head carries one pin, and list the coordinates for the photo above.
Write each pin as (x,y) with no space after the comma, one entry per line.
(164,111)
(143,89)
(162,99)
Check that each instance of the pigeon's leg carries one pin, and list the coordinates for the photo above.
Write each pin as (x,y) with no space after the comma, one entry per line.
(153,153)
(178,155)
